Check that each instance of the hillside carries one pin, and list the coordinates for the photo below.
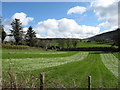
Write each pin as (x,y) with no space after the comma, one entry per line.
(108,36)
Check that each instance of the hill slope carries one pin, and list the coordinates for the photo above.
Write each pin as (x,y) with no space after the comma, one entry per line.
(105,36)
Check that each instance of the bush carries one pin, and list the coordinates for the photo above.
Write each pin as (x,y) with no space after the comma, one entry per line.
(8,46)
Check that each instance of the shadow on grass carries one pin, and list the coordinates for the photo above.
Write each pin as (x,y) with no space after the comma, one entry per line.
(102,52)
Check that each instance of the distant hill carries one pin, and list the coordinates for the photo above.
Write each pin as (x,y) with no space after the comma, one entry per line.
(108,36)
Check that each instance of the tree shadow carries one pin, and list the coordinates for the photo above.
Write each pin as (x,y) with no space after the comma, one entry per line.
(102,52)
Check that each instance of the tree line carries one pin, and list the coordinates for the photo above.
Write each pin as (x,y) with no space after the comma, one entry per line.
(19,36)
(29,38)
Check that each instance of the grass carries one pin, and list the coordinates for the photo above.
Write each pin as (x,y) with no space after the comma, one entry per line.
(62,69)
(38,63)
(81,44)
(111,62)
(78,72)
(31,53)
(85,44)
(116,54)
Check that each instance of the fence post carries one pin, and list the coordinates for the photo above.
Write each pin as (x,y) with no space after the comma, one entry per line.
(42,81)
(89,82)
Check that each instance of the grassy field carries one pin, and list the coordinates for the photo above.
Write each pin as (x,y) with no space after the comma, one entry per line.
(63,69)
(31,53)
(85,44)
(81,44)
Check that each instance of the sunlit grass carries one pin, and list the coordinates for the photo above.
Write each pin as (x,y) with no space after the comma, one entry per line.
(67,69)
(30,53)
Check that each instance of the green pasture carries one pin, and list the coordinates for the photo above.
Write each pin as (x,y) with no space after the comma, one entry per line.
(62,68)
(33,53)
(86,44)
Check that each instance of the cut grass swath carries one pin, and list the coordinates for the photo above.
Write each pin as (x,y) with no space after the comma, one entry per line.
(111,62)
(38,63)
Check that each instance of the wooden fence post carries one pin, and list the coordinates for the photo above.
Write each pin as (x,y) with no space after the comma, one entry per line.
(42,81)
(89,82)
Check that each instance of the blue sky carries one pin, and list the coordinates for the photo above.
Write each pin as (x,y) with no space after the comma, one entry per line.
(45,10)
(42,11)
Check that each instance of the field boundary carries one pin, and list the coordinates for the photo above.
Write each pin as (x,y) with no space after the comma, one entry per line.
(91,49)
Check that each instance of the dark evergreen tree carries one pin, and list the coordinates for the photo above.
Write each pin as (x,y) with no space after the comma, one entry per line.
(30,37)
(3,34)
(17,31)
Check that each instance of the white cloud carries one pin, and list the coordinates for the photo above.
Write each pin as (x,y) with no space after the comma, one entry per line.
(7,38)
(106,10)
(22,16)
(77,10)
(64,28)
(103,3)
(104,24)
(7,29)
(25,30)
(108,30)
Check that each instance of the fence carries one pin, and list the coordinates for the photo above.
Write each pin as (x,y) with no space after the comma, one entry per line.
(91,49)
(57,85)
(43,82)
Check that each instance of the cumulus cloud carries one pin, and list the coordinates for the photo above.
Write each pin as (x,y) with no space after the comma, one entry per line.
(64,28)
(77,10)
(104,24)
(22,16)
(108,30)
(103,3)
(7,29)
(106,10)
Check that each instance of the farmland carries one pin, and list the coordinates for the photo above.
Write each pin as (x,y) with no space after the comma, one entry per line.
(87,44)
(62,68)
(60,45)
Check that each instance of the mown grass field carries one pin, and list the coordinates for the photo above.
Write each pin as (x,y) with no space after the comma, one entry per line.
(63,69)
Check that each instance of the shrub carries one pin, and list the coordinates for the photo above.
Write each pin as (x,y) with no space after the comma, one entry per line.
(8,46)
